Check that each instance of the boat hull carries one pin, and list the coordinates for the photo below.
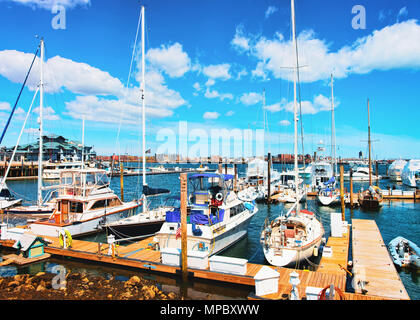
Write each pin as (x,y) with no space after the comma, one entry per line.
(328,201)
(135,229)
(290,257)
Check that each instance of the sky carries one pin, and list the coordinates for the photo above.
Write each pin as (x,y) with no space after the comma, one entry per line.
(209,63)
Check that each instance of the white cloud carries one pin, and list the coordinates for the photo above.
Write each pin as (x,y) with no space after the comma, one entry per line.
(48,4)
(172,60)
(284,123)
(320,103)
(48,113)
(251,98)
(211,94)
(240,42)
(392,47)
(230,113)
(219,71)
(210,82)
(5,106)
(60,73)
(210,115)
(197,86)
(270,10)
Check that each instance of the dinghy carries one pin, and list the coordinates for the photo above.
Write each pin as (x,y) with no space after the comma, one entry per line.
(404,253)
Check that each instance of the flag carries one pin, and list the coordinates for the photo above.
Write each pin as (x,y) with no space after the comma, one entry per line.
(178,232)
(147,151)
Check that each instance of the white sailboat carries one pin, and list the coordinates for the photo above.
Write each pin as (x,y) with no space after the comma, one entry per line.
(42,207)
(7,200)
(291,238)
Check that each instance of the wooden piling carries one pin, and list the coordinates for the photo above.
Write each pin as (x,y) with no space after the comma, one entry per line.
(184,265)
(122,181)
(343,208)
(351,188)
(235,182)
(269,178)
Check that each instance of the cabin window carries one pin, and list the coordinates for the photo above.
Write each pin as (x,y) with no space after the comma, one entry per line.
(5,193)
(76,207)
(90,179)
(236,210)
(102,179)
(98,204)
(67,179)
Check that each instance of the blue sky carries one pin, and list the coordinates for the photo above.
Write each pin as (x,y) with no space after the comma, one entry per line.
(208,63)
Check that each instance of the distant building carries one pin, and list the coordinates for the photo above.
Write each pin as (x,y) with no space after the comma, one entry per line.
(55,148)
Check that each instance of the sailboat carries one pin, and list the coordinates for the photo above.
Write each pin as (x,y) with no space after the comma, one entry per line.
(42,207)
(149,221)
(6,198)
(328,195)
(372,197)
(291,238)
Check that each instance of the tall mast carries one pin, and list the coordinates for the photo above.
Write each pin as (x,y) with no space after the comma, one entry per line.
(143,91)
(334,158)
(143,97)
(41,106)
(295,108)
(83,143)
(370,159)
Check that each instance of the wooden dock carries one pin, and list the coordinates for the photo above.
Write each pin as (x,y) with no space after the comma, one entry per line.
(141,255)
(372,263)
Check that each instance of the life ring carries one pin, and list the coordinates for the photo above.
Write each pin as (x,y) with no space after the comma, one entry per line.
(219,196)
(68,238)
(322,294)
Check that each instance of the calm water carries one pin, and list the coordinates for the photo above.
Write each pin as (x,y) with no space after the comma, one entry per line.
(396,218)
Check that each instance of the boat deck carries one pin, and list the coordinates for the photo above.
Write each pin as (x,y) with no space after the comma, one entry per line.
(372,262)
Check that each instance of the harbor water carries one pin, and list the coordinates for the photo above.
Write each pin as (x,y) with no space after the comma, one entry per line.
(394,218)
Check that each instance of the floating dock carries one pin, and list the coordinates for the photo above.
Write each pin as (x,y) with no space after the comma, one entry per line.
(372,263)
(331,270)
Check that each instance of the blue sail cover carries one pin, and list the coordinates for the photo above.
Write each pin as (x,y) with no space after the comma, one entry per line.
(331,181)
(195,217)
(212,175)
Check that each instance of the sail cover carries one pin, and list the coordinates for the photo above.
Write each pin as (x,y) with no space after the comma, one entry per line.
(154,191)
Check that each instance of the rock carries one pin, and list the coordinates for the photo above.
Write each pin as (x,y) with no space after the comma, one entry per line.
(133,281)
(85,280)
(109,296)
(13,284)
(19,277)
(171,295)
(40,288)
(39,274)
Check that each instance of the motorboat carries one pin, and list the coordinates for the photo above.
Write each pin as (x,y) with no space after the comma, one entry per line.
(321,172)
(216,217)
(404,253)
(7,200)
(52,171)
(83,205)
(361,173)
(395,170)
(410,175)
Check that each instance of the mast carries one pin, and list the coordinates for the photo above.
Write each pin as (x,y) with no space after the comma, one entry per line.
(295,108)
(333,129)
(83,143)
(41,106)
(370,159)
(143,91)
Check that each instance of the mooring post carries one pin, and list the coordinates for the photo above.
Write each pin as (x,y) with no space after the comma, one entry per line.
(343,215)
(226,166)
(122,181)
(184,266)
(235,182)
(269,178)
(351,188)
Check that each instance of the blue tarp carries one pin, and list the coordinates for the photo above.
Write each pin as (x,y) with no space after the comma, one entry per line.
(196,217)
(331,181)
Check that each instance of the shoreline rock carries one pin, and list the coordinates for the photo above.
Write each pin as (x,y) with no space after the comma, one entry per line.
(77,286)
